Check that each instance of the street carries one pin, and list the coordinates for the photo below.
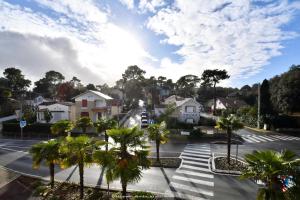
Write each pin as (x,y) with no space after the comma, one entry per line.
(192,180)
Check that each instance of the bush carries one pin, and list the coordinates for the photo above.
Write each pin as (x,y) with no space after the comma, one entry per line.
(142,196)
(206,122)
(196,133)
(117,196)
(286,121)
(173,123)
(10,129)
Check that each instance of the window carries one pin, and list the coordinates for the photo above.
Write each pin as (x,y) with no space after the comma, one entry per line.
(190,121)
(84,103)
(190,109)
(84,114)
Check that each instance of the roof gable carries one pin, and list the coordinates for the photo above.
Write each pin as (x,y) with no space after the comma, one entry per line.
(99,94)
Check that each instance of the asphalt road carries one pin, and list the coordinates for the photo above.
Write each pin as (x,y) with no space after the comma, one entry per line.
(14,155)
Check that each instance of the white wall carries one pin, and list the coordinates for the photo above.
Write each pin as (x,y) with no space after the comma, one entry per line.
(58,112)
(219,105)
(183,116)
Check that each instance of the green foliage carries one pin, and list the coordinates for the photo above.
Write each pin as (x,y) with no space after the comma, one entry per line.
(159,134)
(248,115)
(269,166)
(16,81)
(165,116)
(103,125)
(266,108)
(207,122)
(48,151)
(47,115)
(29,114)
(83,123)
(40,129)
(62,127)
(130,155)
(185,85)
(141,195)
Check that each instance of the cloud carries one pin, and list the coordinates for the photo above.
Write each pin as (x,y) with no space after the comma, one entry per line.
(35,55)
(90,46)
(128,3)
(239,36)
(150,5)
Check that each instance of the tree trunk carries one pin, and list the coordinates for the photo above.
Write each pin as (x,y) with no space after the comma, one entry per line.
(228,145)
(81,179)
(51,168)
(106,140)
(157,150)
(124,190)
(215,100)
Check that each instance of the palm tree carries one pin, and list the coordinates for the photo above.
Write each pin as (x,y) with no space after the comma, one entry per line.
(79,150)
(270,166)
(130,156)
(159,134)
(83,123)
(104,125)
(229,124)
(106,159)
(48,151)
(62,127)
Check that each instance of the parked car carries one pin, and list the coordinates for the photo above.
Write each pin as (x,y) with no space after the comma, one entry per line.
(144,123)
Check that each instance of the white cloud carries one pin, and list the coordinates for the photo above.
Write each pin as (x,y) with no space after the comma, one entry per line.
(93,48)
(128,3)
(151,5)
(236,35)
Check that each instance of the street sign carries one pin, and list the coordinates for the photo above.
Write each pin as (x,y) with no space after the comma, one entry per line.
(22,123)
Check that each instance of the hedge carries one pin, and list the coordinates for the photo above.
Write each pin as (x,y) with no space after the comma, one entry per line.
(40,129)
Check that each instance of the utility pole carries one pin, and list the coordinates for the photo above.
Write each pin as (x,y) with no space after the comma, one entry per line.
(258,106)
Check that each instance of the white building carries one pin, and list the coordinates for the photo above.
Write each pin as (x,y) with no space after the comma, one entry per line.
(187,110)
(58,110)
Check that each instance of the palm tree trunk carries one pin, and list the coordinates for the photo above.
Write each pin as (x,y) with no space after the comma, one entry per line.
(215,100)
(106,140)
(157,150)
(124,190)
(51,168)
(80,165)
(228,145)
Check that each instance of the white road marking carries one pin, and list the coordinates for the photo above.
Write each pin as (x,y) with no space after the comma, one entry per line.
(195,168)
(193,158)
(196,155)
(195,163)
(192,189)
(181,195)
(192,173)
(192,180)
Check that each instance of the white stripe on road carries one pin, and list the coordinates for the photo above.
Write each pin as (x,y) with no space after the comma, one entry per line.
(196,155)
(192,189)
(258,138)
(180,195)
(251,138)
(193,158)
(247,140)
(195,151)
(192,180)
(195,163)
(197,145)
(195,168)
(267,138)
(192,173)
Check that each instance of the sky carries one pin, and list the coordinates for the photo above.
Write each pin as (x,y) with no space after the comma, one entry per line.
(96,40)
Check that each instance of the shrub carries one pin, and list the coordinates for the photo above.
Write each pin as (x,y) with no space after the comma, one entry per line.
(30,129)
(206,122)
(142,196)
(196,133)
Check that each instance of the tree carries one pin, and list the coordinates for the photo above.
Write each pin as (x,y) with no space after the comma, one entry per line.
(103,125)
(161,80)
(186,85)
(47,115)
(229,124)
(285,90)
(91,86)
(159,134)
(79,150)
(106,159)
(211,78)
(47,86)
(83,123)
(266,108)
(133,72)
(16,81)
(65,91)
(271,168)
(48,151)
(130,156)
(62,127)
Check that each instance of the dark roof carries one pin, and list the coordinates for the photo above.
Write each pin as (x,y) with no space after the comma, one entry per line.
(232,103)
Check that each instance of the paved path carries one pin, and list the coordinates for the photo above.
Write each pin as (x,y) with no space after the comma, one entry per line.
(193,179)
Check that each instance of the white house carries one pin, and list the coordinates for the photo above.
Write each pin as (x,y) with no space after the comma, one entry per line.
(58,110)
(96,105)
(226,103)
(187,110)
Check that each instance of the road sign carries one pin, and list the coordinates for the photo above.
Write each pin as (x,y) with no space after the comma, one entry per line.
(22,123)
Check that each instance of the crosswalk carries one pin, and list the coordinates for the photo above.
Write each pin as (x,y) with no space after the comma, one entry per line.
(193,179)
(267,138)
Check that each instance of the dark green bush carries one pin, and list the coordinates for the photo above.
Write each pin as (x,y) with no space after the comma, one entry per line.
(196,133)
(206,122)
(142,196)
(10,129)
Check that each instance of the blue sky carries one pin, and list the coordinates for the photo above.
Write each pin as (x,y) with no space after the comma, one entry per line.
(95,40)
